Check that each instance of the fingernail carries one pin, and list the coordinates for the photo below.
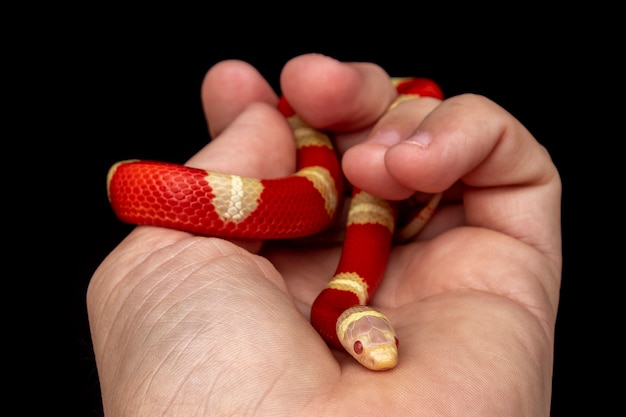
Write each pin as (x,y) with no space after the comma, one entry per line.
(385,137)
(421,138)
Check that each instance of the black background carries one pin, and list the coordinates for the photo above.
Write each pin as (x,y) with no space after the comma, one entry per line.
(138,97)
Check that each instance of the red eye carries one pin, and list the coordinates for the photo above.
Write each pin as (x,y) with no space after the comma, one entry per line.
(397,341)
(358,347)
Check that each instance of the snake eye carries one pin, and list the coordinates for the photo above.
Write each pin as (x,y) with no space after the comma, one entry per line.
(358,347)
(397,341)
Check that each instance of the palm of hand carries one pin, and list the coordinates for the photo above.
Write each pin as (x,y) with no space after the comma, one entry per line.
(242,325)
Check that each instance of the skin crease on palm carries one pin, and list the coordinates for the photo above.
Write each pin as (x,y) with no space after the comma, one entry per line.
(194,326)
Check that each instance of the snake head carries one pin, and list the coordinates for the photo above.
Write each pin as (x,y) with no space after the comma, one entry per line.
(368,336)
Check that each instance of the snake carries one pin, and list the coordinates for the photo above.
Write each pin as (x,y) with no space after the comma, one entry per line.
(305,203)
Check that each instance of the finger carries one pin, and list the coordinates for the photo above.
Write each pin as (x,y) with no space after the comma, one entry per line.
(365,165)
(330,94)
(512,185)
(475,140)
(258,143)
(228,88)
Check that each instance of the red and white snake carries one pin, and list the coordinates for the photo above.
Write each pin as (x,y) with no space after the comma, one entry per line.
(302,204)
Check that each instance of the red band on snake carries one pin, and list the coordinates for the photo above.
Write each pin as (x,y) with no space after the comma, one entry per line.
(303,204)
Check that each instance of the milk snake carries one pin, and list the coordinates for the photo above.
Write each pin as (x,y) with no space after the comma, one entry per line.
(306,203)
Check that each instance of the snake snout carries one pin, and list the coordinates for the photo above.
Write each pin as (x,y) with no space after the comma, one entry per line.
(381,359)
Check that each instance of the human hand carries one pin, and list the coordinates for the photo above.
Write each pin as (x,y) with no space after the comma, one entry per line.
(187,325)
